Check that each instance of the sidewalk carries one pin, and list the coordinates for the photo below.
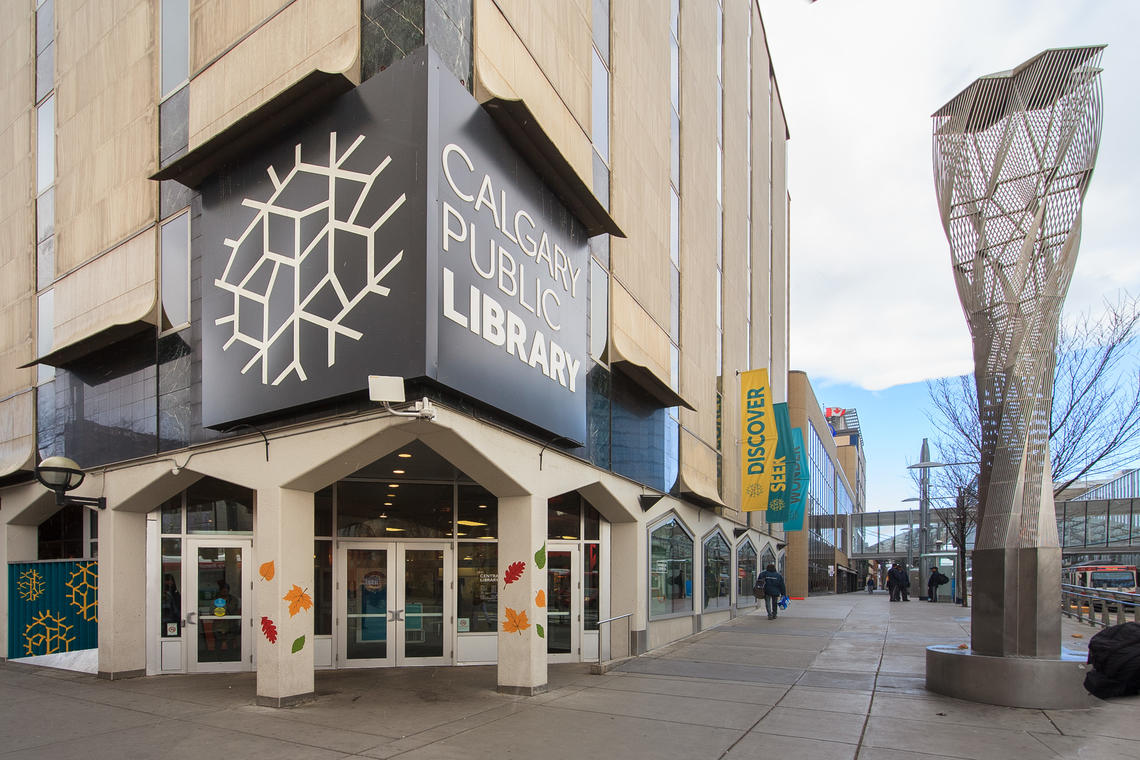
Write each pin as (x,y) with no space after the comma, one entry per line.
(816,683)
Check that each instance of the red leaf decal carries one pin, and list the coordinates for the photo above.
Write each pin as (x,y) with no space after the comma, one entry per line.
(514,572)
(269,629)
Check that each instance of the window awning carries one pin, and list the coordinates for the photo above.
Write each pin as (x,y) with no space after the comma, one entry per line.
(17,433)
(634,362)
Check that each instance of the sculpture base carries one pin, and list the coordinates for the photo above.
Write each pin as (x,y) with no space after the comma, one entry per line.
(1034,682)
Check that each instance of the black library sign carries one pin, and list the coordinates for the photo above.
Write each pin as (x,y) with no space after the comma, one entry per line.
(398,234)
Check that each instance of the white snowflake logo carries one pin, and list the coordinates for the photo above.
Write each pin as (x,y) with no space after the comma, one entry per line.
(292,244)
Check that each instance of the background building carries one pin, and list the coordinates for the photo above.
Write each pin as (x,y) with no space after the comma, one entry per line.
(817,557)
(176,167)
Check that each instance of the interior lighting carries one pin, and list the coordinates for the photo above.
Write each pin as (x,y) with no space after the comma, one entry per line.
(404,455)
(393,485)
(397,472)
(394,530)
(471,523)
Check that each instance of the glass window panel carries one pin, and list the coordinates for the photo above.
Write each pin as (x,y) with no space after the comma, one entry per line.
(718,573)
(591,585)
(674,366)
(599,310)
(719,115)
(600,249)
(175,43)
(176,272)
(600,108)
(1136,521)
(45,25)
(394,510)
(674,228)
(559,607)
(323,512)
(45,72)
(45,145)
(478,513)
(674,304)
(1097,522)
(1075,523)
(322,587)
(601,186)
(670,570)
(675,149)
(745,573)
(675,18)
(564,517)
(45,214)
(1119,521)
(593,522)
(477,584)
(601,28)
(45,316)
(45,263)
(61,535)
(171,601)
(366,604)
(219,608)
(216,506)
(171,515)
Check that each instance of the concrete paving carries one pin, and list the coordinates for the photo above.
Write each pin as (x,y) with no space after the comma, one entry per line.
(834,677)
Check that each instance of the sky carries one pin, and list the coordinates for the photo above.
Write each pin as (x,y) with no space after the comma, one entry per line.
(874,313)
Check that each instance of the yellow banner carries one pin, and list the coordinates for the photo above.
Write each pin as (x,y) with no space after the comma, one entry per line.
(757,439)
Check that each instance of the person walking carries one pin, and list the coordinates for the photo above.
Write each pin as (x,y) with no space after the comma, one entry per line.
(904,582)
(770,584)
(870,583)
(894,583)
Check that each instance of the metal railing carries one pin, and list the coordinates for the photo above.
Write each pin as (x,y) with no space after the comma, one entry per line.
(610,620)
(1094,606)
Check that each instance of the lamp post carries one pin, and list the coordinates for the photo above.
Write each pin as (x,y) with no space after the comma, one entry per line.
(60,474)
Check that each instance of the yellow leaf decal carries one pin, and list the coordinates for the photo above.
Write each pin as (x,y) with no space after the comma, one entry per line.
(298,600)
(267,570)
(540,598)
(516,621)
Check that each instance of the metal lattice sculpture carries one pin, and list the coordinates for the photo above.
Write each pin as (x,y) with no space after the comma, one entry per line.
(1013,155)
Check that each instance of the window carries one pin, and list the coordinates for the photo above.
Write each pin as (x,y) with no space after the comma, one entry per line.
(175,242)
(718,573)
(670,569)
(477,581)
(745,574)
(175,44)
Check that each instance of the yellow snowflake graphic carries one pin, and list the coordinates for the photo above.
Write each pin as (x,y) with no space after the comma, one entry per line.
(30,585)
(83,591)
(47,634)
(776,504)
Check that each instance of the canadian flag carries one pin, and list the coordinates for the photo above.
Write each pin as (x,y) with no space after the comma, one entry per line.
(833,411)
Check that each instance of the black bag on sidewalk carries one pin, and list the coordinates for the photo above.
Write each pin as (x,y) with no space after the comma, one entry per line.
(1114,654)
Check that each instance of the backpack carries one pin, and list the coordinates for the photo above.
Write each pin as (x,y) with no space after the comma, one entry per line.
(1114,654)
(941,579)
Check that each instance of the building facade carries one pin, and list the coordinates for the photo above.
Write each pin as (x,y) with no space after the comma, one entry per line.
(817,556)
(562,228)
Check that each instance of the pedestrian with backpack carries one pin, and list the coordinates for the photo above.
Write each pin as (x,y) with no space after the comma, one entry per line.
(770,585)
(935,580)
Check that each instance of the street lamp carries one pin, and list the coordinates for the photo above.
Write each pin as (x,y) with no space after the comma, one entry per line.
(61,475)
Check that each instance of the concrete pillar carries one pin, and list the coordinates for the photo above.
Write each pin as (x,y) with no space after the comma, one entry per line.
(18,543)
(122,594)
(628,588)
(283,535)
(522,651)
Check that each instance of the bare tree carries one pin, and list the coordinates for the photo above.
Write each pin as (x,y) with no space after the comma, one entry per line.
(1096,402)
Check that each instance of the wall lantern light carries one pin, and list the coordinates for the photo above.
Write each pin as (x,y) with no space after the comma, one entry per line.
(61,475)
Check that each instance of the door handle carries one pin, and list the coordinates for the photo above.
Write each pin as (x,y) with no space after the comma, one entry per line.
(399,615)
(189,620)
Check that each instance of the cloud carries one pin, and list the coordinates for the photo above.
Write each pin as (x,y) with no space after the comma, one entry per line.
(873,302)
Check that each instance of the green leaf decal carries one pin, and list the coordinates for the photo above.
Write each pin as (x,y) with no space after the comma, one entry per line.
(298,645)
(538,629)
(540,557)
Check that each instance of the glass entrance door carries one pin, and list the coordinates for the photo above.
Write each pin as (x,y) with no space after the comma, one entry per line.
(216,620)
(396,604)
(563,603)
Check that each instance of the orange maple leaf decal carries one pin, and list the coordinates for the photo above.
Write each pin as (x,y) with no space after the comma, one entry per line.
(540,598)
(516,621)
(298,600)
(267,570)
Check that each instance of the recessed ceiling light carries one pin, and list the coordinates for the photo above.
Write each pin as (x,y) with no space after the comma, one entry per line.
(391,496)
(394,530)
(570,538)
(482,506)
(387,504)
(404,455)
(397,472)
(393,485)
(472,523)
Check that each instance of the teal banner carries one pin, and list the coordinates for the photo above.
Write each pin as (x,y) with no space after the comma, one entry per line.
(798,480)
(52,607)
(778,495)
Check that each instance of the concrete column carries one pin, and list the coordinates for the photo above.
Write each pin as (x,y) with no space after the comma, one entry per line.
(628,592)
(18,543)
(283,535)
(522,652)
(122,594)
